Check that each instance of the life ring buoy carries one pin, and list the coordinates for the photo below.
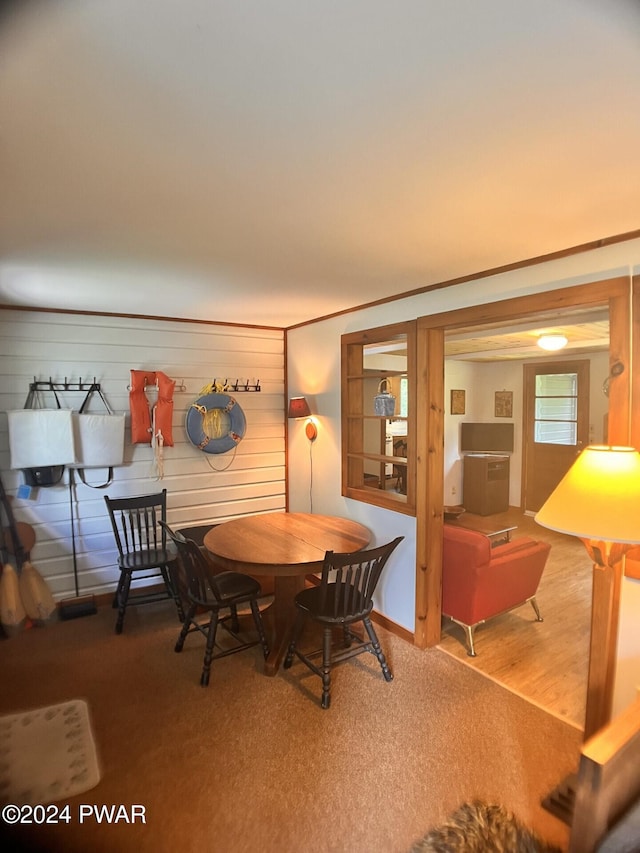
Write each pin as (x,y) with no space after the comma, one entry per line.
(215,423)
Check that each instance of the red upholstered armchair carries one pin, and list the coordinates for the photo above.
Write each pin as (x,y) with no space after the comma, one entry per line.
(479,581)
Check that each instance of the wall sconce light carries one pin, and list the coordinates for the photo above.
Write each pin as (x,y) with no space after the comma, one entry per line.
(299,408)
(552,343)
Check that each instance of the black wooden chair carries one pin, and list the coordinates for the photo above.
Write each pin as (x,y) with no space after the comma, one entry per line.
(343,597)
(143,551)
(212,592)
(197,533)
(400,471)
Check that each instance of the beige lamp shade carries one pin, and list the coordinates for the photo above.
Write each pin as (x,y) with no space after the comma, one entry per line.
(598,498)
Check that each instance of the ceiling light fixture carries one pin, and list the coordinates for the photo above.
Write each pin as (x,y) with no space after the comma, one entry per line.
(551,343)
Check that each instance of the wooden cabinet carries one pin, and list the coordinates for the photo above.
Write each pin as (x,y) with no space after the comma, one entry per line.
(485,484)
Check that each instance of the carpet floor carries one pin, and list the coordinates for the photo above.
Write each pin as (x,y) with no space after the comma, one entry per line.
(253,763)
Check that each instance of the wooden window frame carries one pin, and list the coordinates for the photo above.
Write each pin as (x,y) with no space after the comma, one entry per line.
(353,417)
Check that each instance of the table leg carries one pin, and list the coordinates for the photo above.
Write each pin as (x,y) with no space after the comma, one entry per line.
(281,614)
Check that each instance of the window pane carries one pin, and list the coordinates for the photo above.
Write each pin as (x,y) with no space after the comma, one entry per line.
(557,385)
(557,408)
(404,397)
(556,432)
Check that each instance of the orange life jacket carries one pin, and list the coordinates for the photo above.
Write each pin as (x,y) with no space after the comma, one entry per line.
(151,424)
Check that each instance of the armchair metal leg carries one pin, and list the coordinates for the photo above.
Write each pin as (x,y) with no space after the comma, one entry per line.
(471,649)
(536,609)
(468,629)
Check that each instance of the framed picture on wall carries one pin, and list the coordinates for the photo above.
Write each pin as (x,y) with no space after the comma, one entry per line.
(504,404)
(457,402)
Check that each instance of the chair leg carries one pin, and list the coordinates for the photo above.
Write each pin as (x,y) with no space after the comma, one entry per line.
(116,596)
(172,589)
(123,597)
(536,609)
(297,630)
(185,628)
(257,618)
(347,636)
(326,667)
(235,624)
(208,654)
(373,637)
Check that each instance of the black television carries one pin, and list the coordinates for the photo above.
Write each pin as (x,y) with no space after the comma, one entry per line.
(493,437)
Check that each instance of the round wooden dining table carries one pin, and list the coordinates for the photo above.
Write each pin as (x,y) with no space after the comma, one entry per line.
(287,546)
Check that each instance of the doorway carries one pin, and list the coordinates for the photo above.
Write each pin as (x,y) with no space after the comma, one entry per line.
(612,294)
(555,425)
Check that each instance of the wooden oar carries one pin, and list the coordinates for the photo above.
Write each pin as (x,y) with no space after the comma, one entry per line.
(26,591)
(26,536)
(36,595)
(13,615)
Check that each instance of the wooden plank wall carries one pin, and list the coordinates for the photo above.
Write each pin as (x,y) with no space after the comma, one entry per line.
(45,345)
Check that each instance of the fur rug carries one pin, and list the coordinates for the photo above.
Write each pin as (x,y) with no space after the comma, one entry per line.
(479,828)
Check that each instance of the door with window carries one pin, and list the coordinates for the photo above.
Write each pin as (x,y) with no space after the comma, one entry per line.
(555,424)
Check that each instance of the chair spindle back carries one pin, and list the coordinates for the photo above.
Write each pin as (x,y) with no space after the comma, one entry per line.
(349,580)
(137,521)
(199,579)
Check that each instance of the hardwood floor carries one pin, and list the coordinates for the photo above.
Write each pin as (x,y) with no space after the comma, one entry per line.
(546,662)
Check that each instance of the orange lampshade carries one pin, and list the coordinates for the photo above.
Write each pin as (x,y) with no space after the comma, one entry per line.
(298,408)
(599,496)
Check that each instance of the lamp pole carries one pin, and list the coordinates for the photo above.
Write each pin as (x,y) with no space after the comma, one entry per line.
(608,562)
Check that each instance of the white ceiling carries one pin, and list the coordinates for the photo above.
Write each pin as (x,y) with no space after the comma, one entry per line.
(273,162)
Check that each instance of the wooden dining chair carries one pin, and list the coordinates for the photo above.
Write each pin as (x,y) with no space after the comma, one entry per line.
(197,534)
(343,597)
(220,594)
(142,551)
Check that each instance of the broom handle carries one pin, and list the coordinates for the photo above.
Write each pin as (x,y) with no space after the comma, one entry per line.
(18,548)
(73,534)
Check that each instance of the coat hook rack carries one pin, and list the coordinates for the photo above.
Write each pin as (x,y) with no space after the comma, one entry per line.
(177,387)
(55,386)
(239,385)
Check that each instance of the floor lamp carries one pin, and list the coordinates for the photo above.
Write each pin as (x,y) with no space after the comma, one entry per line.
(598,500)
